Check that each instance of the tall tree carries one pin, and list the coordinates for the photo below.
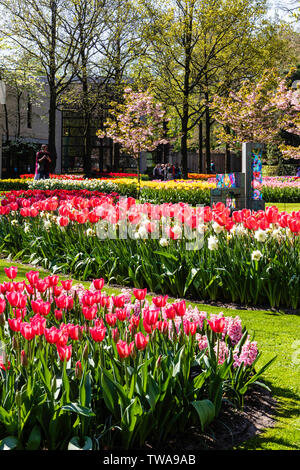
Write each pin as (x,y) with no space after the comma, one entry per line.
(84,94)
(42,28)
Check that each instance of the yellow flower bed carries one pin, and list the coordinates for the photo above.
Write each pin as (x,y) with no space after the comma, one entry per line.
(171,184)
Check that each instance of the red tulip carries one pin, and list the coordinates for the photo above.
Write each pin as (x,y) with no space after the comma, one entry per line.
(98,283)
(121,314)
(67,285)
(151,316)
(119,300)
(135,320)
(63,221)
(19,286)
(180,308)
(61,302)
(11,272)
(27,330)
(7,287)
(88,299)
(170,312)
(42,285)
(62,335)
(217,325)
(64,352)
(35,305)
(75,331)
(124,349)
(29,288)
(13,298)
(20,313)
(57,291)
(53,280)
(141,341)
(163,326)
(111,319)
(190,328)
(51,335)
(98,333)
(32,276)
(58,314)
(115,335)
(39,324)
(14,323)
(140,294)
(294,225)
(45,308)
(89,313)
(2,305)
(160,301)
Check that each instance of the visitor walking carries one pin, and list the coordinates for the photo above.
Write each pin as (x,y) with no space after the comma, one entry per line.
(42,165)
(177,172)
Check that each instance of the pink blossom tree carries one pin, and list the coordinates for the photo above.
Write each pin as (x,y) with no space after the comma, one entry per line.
(136,124)
(259,112)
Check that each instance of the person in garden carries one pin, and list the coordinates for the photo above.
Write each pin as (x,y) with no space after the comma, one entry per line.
(43,160)
(177,171)
(157,171)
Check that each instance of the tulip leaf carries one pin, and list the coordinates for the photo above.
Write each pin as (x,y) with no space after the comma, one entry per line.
(75,444)
(34,439)
(205,410)
(78,409)
(9,443)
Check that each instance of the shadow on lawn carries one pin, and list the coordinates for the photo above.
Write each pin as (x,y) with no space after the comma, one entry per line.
(286,434)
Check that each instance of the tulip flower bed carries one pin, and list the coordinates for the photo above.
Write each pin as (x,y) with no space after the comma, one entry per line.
(82,369)
(275,189)
(200,253)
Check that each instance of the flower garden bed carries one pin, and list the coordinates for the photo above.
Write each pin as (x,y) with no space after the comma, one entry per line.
(80,368)
(202,253)
(275,189)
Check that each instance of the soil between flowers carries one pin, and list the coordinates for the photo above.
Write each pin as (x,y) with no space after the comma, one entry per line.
(232,427)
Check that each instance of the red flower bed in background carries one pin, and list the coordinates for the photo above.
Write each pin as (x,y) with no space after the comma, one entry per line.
(102,174)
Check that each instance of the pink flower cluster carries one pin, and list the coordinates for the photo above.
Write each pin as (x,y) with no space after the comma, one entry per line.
(247,355)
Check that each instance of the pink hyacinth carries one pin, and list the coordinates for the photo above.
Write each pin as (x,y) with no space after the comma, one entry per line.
(202,341)
(248,354)
(233,329)
(222,350)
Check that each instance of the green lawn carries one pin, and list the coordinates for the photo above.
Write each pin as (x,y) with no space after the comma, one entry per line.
(276,334)
(285,206)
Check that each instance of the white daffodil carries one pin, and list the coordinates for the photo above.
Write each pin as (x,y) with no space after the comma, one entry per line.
(256,255)
(164,242)
(260,235)
(217,228)
(213,243)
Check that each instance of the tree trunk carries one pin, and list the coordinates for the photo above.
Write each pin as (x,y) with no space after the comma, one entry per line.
(184,150)
(207,140)
(52,89)
(52,127)
(18,115)
(6,124)
(186,94)
(166,147)
(227,159)
(116,156)
(200,143)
